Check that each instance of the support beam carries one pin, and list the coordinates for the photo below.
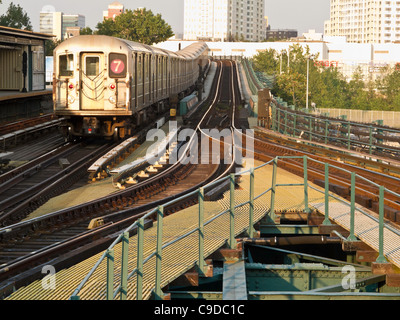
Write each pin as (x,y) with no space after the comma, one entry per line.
(234,281)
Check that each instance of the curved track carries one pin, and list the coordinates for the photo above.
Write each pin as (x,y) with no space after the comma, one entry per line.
(38,240)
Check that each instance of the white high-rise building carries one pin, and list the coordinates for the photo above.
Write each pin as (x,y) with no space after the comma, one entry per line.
(364,21)
(51,23)
(224,20)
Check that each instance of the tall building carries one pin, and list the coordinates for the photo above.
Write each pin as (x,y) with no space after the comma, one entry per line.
(56,23)
(224,20)
(364,21)
(72,21)
(51,23)
(114,9)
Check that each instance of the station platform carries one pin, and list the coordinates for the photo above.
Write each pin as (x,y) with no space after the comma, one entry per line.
(181,256)
(12,95)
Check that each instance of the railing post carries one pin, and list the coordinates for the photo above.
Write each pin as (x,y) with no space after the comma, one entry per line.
(294,124)
(110,274)
(160,216)
(273,112)
(286,113)
(201,230)
(306,209)
(273,188)
(139,278)
(232,242)
(310,127)
(352,237)
(370,140)
(251,204)
(124,265)
(349,138)
(279,121)
(381,258)
(326,219)
(326,131)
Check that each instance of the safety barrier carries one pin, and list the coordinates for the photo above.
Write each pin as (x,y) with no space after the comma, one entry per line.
(367,137)
(270,191)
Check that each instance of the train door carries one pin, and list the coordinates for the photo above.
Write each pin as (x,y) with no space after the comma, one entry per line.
(153,89)
(165,75)
(146,75)
(139,79)
(92,81)
(134,83)
(159,77)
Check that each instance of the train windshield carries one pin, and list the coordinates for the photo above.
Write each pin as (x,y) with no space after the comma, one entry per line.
(66,65)
(92,66)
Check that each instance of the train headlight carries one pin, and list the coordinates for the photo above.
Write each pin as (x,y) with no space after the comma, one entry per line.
(112,99)
(112,86)
(71,99)
(71,86)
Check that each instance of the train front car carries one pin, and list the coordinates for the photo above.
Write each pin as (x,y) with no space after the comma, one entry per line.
(91,86)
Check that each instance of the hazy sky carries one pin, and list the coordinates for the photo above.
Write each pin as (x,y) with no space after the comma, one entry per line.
(283,14)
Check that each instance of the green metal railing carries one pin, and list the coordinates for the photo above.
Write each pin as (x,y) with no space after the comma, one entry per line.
(329,130)
(125,275)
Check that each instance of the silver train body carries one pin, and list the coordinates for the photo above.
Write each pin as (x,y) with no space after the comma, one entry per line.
(106,86)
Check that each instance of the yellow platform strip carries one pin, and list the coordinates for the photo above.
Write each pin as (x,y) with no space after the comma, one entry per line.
(181,256)
(365,228)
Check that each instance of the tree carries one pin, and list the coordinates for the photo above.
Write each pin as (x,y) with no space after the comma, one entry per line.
(16,17)
(140,25)
(292,88)
(107,27)
(50,46)
(86,31)
(266,61)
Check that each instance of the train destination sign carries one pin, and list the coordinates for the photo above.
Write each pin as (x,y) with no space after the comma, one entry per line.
(117,65)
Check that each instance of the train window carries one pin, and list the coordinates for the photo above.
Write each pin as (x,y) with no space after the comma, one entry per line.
(117,65)
(66,65)
(92,66)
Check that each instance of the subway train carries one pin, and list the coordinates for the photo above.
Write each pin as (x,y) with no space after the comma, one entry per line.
(109,87)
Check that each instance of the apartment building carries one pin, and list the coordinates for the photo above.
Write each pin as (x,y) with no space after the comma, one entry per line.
(56,23)
(72,22)
(364,21)
(224,20)
(51,23)
(114,9)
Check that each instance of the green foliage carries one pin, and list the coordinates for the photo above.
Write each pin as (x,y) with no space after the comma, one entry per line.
(327,86)
(50,46)
(16,17)
(140,25)
(86,31)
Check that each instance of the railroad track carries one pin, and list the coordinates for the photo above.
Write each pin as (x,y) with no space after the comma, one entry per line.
(367,195)
(51,234)
(19,125)
(26,189)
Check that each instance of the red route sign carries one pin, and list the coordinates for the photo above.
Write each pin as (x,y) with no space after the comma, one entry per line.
(117,66)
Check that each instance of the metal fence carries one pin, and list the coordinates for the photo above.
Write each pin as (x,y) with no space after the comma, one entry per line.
(133,269)
(389,118)
(368,137)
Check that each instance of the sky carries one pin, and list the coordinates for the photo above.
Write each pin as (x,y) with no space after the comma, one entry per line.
(282,14)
